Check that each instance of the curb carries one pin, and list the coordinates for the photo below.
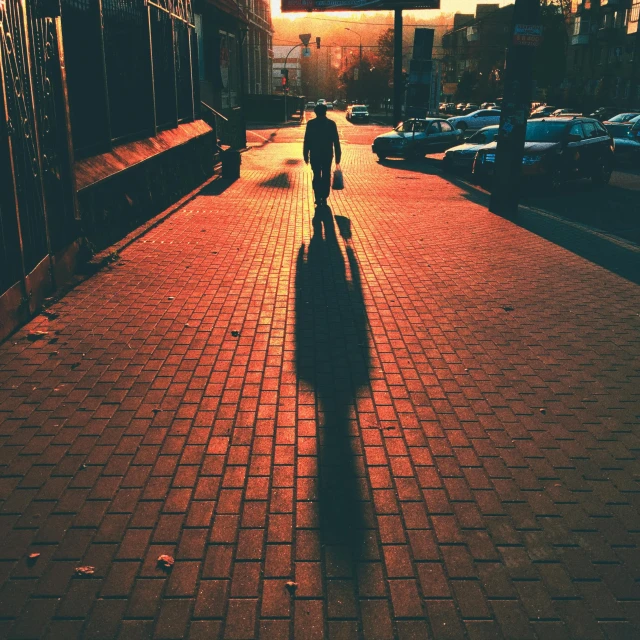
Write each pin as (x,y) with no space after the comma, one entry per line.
(105,257)
(599,233)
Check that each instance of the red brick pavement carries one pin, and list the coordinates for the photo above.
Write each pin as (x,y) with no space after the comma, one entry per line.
(424,415)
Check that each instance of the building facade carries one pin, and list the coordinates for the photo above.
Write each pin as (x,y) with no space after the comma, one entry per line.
(604,55)
(235,55)
(476,47)
(100,130)
(258,48)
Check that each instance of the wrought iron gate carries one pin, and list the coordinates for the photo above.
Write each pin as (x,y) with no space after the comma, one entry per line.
(36,210)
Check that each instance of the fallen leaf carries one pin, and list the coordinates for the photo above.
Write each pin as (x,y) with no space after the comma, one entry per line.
(51,315)
(291,586)
(37,335)
(85,571)
(507,308)
(33,556)
(171,298)
(235,334)
(75,365)
(165,561)
(543,410)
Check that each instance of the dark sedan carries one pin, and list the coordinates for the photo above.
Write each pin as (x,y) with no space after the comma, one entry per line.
(415,138)
(626,143)
(557,150)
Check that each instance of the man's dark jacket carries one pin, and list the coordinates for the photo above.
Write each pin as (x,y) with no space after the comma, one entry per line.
(320,138)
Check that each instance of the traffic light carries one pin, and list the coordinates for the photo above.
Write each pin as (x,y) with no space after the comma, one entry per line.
(318,42)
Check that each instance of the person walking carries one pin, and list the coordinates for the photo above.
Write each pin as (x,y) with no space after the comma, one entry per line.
(320,140)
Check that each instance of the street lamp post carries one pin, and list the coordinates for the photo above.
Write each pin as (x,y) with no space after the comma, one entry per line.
(304,42)
(286,86)
(360,64)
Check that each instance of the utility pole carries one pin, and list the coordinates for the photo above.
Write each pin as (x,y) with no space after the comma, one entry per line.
(526,34)
(397,66)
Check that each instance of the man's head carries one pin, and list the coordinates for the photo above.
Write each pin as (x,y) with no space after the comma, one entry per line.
(321,110)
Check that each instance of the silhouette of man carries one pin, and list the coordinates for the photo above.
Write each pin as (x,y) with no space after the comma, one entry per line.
(320,139)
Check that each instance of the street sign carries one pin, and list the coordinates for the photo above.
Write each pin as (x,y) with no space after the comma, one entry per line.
(306,52)
(304,38)
(527,35)
(291,6)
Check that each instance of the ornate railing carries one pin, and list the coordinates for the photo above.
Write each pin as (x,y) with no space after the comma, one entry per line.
(141,56)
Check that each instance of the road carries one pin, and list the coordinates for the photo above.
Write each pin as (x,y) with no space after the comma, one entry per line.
(614,209)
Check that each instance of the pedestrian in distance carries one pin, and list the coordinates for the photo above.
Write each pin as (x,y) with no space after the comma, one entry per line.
(320,140)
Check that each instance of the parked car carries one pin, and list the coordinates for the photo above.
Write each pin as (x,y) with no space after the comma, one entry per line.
(476,120)
(415,138)
(542,112)
(310,106)
(329,106)
(470,108)
(604,113)
(460,107)
(321,101)
(626,145)
(357,113)
(622,117)
(462,156)
(488,105)
(557,150)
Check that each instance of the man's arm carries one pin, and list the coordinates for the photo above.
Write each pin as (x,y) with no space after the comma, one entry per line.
(336,143)
(307,144)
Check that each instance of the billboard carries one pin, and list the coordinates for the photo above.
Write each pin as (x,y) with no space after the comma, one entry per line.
(290,6)
(423,43)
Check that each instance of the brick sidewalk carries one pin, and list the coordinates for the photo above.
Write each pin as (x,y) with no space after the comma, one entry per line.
(423,415)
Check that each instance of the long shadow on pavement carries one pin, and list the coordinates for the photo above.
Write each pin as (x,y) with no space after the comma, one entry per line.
(613,256)
(332,358)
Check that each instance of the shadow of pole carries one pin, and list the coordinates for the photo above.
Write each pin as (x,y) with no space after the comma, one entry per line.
(332,357)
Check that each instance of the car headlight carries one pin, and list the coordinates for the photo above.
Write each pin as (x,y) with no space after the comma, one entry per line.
(531,159)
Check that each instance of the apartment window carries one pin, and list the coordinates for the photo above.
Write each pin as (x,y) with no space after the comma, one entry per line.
(634,16)
(576,26)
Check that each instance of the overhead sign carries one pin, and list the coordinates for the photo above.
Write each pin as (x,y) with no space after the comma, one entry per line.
(306,52)
(527,35)
(296,6)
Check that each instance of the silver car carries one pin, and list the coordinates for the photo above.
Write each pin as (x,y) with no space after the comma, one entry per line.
(462,156)
(415,138)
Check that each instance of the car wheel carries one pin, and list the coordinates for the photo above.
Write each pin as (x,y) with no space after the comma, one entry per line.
(602,174)
(447,163)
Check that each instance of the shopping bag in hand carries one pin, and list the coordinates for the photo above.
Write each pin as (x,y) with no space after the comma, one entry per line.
(338,180)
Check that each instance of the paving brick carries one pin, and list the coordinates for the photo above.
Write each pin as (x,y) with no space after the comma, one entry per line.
(478,515)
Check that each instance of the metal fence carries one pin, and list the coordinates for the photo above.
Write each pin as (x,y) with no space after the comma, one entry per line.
(130,71)
(129,68)
(36,202)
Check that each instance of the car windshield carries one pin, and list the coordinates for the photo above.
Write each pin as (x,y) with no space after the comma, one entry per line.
(483,136)
(359,109)
(623,117)
(545,131)
(618,130)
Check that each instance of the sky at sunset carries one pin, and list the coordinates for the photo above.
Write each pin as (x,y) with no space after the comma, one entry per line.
(447,6)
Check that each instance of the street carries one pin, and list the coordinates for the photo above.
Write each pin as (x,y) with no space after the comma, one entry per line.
(399,418)
(614,209)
